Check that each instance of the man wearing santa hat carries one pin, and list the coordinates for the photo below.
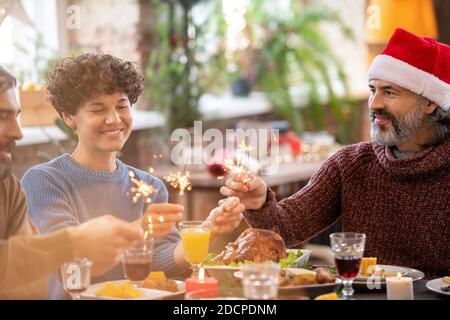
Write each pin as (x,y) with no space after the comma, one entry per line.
(396,188)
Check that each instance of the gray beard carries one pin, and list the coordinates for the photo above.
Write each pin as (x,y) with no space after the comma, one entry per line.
(402,128)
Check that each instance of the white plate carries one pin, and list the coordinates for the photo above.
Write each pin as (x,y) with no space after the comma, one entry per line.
(296,271)
(149,294)
(404,271)
(224,272)
(436,284)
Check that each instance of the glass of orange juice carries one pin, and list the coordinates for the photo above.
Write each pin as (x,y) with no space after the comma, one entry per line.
(195,236)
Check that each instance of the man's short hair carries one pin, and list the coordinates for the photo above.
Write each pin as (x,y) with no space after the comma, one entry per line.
(7,80)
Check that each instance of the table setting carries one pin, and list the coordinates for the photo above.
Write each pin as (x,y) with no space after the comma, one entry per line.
(237,274)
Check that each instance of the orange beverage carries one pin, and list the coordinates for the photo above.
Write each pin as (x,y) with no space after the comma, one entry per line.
(195,243)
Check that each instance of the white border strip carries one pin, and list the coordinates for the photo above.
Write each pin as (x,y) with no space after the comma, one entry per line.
(387,68)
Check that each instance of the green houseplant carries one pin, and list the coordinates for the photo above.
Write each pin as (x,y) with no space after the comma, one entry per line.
(287,49)
(182,64)
(290,50)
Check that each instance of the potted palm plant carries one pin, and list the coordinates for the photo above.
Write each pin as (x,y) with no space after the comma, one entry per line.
(290,51)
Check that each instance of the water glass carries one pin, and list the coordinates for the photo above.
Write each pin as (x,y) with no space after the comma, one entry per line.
(260,280)
(76,277)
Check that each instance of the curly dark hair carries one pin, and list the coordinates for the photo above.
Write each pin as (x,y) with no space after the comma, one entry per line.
(73,81)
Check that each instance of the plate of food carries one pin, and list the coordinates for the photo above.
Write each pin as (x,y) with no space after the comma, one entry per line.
(303,282)
(372,273)
(440,285)
(253,245)
(300,278)
(155,287)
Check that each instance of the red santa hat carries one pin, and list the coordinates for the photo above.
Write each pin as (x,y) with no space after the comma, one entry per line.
(421,65)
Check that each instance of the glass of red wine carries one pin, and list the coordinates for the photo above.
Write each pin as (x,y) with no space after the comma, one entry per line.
(348,249)
(76,277)
(137,262)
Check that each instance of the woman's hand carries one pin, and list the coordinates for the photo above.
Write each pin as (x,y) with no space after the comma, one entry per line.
(226,217)
(160,218)
(103,240)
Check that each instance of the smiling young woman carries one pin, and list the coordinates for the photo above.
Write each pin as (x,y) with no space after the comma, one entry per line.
(94,94)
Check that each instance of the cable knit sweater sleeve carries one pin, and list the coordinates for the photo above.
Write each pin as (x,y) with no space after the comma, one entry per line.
(49,205)
(306,213)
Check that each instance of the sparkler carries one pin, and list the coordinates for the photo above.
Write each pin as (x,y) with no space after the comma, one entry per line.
(180,181)
(239,169)
(148,225)
(148,228)
(141,189)
(245,148)
(275,137)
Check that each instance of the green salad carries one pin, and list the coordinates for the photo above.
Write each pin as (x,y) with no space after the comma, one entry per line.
(287,262)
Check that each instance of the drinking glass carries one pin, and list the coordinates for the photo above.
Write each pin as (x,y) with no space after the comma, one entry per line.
(260,280)
(137,262)
(76,277)
(348,249)
(195,236)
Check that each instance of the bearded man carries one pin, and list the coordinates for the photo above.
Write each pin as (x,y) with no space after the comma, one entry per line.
(394,189)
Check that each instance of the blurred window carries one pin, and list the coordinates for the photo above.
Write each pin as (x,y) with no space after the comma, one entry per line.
(20,43)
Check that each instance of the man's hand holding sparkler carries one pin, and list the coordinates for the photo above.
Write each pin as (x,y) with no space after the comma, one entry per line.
(251,190)
(160,218)
(226,217)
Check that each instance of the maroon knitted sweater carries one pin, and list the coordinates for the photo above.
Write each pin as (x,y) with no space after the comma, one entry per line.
(402,205)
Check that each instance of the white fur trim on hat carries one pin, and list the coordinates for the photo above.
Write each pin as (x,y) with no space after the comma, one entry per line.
(393,70)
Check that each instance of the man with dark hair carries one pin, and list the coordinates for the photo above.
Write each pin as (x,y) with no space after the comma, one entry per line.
(26,259)
(15,222)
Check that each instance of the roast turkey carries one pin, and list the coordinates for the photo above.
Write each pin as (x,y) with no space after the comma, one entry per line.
(257,245)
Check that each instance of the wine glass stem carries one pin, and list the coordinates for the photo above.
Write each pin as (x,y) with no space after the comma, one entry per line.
(347,290)
(195,269)
(75,296)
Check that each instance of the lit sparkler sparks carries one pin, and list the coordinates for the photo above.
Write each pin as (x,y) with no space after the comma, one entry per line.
(245,148)
(275,137)
(239,169)
(148,225)
(141,189)
(148,228)
(180,181)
